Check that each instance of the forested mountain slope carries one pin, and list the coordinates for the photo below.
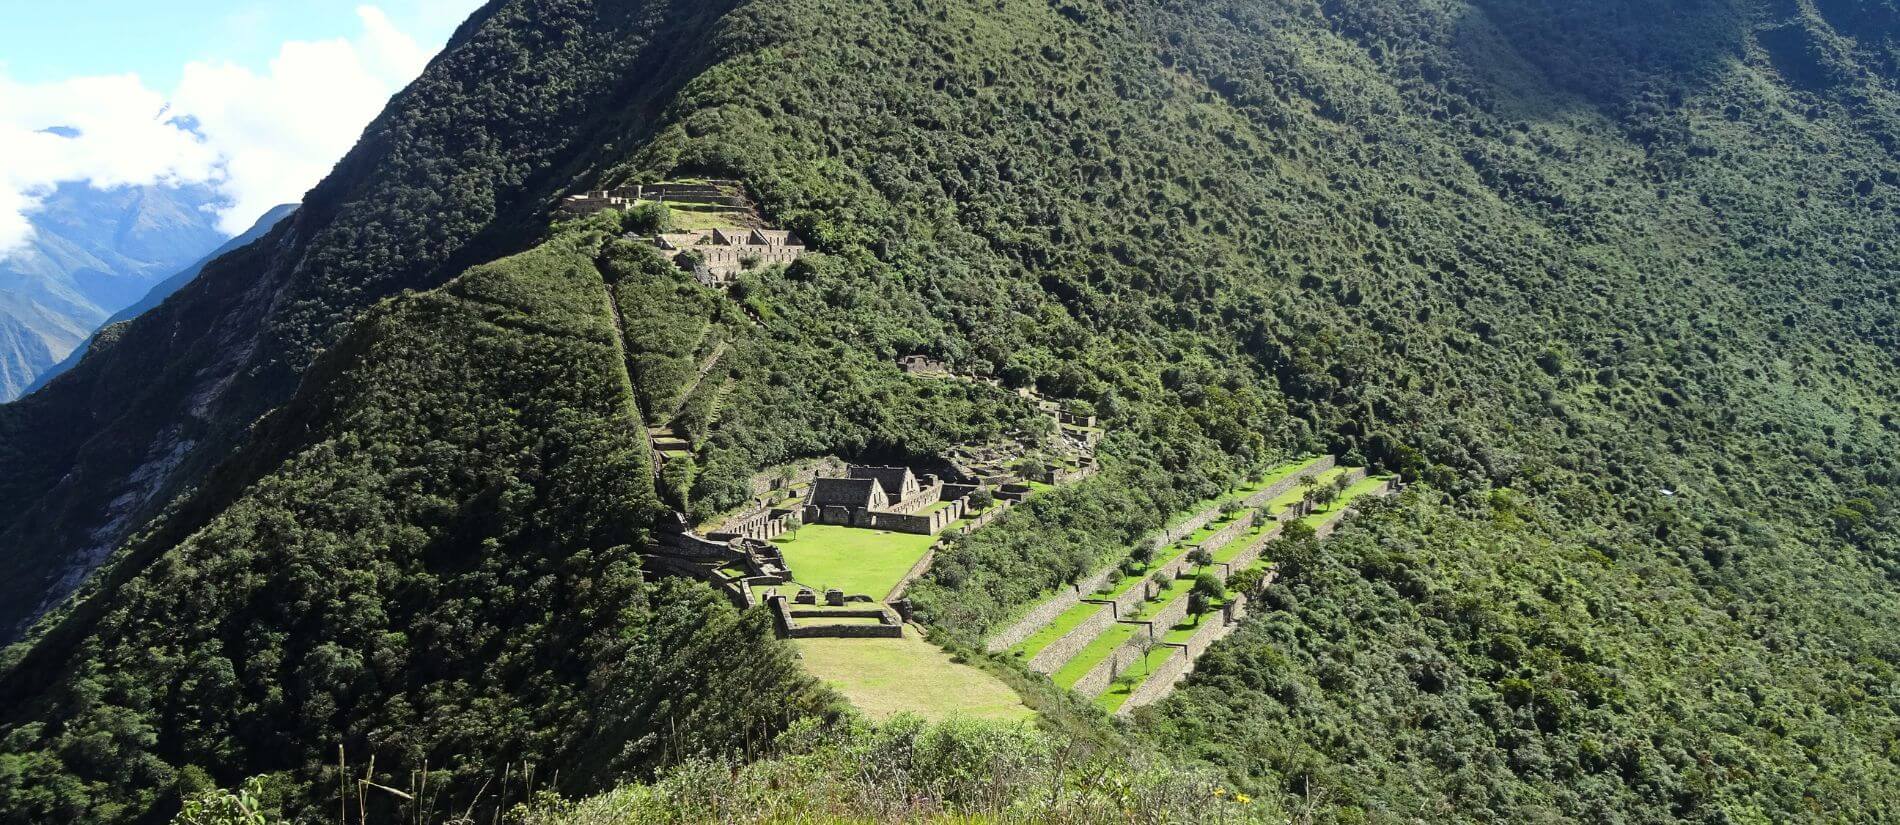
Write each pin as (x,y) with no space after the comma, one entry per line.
(165,289)
(1613,284)
(450,173)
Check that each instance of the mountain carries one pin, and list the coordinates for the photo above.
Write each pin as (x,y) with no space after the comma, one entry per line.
(93,252)
(1609,284)
(164,289)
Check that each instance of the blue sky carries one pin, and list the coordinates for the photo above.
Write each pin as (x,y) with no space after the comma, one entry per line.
(257,99)
(48,40)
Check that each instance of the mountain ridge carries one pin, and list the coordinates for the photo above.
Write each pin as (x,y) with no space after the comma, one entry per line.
(92,253)
(1537,258)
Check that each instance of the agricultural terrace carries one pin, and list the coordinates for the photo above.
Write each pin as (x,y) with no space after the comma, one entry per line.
(1336,508)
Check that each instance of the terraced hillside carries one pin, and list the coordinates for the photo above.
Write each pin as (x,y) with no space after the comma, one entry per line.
(1128,636)
(1608,285)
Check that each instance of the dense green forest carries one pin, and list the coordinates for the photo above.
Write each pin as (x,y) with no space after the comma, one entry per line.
(1611,284)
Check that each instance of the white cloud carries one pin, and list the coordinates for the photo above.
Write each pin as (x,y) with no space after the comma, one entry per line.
(263,138)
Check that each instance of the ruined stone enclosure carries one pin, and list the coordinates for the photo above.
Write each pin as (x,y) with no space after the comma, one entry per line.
(717,233)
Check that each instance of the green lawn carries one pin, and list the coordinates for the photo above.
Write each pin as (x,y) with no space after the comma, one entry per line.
(1114,637)
(1177,589)
(1118,692)
(1226,552)
(1180,633)
(690,216)
(859,562)
(886,677)
(1293,496)
(1346,498)
(1059,628)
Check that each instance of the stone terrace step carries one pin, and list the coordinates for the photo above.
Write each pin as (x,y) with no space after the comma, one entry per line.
(1276,484)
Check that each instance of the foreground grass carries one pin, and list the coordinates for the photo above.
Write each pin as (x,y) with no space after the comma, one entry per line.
(887,677)
(909,771)
(866,562)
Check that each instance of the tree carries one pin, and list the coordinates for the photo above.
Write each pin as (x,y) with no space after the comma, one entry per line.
(1202,557)
(1160,582)
(792,523)
(1249,581)
(981,500)
(1208,589)
(1144,554)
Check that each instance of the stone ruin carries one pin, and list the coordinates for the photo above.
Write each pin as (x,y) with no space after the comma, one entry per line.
(886,498)
(719,192)
(717,256)
(922,365)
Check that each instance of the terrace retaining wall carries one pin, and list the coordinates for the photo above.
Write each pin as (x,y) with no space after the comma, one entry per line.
(1169,616)
(1159,684)
(1160,681)
(916,571)
(1047,612)
(1250,554)
(1058,653)
(1280,488)
(1226,534)
(1097,680)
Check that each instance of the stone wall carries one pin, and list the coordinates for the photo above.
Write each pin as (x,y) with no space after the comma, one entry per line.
(924,525)
(835,613)
(916,570)
(1251,553)
(924,498)
(848,631)
(787,620)
(1170,615)
(1059,652)
(1221,537)
(1161,680)
(687,544)
(1046,612)
(1097,680)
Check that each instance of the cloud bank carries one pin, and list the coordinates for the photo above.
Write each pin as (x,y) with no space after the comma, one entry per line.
(260,138)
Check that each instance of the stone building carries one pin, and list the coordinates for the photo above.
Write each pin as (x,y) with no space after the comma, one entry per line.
(716,256)
(922,365)
(884,498)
